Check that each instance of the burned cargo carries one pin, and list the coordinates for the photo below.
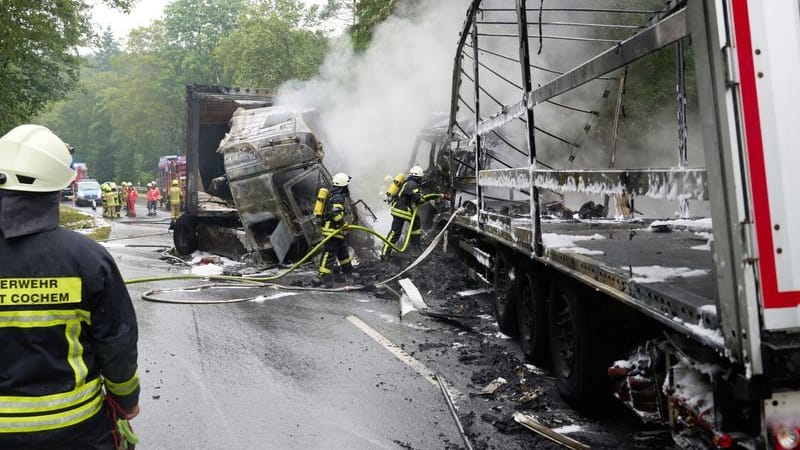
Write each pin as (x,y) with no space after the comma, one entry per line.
(253,171)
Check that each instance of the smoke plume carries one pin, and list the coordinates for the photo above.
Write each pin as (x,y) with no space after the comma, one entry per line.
(373,105)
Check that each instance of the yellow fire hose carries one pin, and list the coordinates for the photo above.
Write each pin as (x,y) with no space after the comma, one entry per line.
(265,281)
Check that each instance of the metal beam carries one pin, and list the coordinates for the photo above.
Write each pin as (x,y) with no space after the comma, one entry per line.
(661,34)
(668,184)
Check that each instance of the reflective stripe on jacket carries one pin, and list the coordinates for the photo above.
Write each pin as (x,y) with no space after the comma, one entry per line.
(334,215)
(68,328)
(407,199)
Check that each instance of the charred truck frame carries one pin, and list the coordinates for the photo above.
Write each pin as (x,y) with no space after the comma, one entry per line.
(715,355)
(253,171)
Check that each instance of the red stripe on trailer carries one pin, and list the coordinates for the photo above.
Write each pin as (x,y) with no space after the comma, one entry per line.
(768,279)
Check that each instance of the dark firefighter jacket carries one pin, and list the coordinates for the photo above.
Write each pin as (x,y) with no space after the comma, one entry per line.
(409,197)
(67,326)
(334,216)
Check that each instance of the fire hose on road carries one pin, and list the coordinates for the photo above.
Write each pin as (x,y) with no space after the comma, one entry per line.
(242,282)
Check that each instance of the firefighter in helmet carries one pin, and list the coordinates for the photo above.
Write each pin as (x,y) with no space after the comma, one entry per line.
(175,196)
(333,219)
(404,202)
(67,324)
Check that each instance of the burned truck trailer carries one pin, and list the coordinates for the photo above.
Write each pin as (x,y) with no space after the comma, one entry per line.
(702,338)
(253,170)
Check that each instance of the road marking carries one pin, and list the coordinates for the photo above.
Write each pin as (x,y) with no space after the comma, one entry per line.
(399,353)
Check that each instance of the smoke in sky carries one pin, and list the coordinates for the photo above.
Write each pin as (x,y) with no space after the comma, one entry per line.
(373,105)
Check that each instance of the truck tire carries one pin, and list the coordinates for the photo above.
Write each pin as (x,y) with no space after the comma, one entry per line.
(532,314)
(505,305)
(576,347)
(185,235)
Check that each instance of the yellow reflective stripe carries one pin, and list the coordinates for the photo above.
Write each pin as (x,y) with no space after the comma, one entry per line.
(29,405)
(124,388)
(415,232)
(39,291)
(403,214)
(323,265)
(327,231)
(345,261)
(386,244)
(44,318)
(25,424)
(71,319)
(75,352)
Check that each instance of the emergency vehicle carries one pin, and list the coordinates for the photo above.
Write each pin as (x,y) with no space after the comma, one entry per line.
(171,167)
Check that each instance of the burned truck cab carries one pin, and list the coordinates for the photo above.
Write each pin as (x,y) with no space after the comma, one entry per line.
(273,165)
(253,170)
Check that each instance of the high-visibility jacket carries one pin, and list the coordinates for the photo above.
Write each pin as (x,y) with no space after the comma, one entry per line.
(407,199)
(68,331)
(175,195)
(153,194)
(334,215)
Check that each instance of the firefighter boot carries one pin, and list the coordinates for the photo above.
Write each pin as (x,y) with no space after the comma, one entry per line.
(321,281)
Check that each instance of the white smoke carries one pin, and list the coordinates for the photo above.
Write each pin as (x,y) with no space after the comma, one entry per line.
(373,105)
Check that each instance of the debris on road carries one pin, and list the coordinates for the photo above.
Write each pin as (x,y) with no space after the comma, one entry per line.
(496,384)
(530,422)
(411,300)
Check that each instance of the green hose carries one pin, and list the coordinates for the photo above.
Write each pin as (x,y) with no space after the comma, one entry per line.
(294,266)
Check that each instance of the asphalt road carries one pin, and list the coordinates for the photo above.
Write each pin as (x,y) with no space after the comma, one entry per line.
(289,372)
(329,370)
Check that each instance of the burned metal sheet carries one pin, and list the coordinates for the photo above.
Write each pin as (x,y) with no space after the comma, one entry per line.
(667,184)
(661,34)
(281,240)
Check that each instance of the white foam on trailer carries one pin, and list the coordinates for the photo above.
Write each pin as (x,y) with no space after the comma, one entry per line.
(703,224)
(657,274)
(554,240)
(584,251)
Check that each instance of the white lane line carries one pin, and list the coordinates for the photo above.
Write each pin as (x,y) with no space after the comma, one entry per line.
(399,353)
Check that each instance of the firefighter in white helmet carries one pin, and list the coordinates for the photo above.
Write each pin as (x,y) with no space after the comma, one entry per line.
(69,372)
(404,202)
(333,219)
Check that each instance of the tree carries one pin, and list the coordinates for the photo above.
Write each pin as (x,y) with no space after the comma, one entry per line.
(272,46)
(368,14)
(193,28)
(107,47)
(38,57)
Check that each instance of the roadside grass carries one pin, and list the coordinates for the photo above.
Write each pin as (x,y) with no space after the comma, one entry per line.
(73,219)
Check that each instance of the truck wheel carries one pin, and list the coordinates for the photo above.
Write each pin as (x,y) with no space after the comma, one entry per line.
(576,347)
(185,235)
(504,293)
(532,314)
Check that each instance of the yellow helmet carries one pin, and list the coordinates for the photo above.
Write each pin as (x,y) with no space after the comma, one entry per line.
(33,159)
(174,182)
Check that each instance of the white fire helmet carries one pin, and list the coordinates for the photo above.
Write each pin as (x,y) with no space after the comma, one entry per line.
(341,179)
(33,159)
(416,171)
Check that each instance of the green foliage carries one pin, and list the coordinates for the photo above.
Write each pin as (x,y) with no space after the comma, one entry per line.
(38,58)
(368,14)
(271,47)
(129,106)
(74,219)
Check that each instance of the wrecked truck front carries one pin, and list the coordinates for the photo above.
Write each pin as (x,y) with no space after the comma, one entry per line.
(273,165)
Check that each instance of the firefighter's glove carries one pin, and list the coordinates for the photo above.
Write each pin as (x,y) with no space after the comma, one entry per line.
(129,438)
